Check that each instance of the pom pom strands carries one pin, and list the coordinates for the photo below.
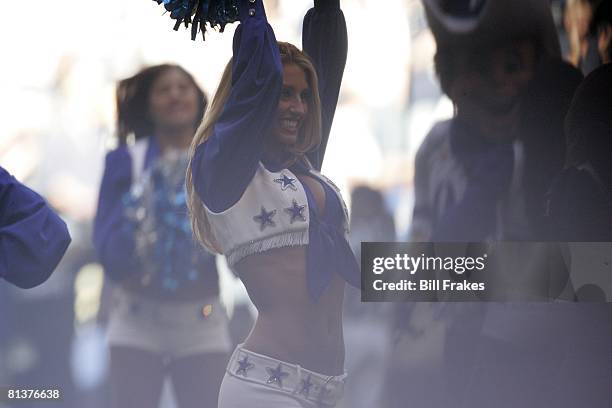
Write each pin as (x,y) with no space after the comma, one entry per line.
(217,13)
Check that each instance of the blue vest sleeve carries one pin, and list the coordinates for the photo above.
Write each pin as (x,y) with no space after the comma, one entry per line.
(224,165)
(33,239)
(324,39)
(474,217)
(113,233)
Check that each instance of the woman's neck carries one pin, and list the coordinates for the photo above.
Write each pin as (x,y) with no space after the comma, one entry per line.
(278,156)
(174,138)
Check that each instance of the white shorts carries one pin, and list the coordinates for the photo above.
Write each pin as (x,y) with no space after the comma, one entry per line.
(256,381)
(171,329)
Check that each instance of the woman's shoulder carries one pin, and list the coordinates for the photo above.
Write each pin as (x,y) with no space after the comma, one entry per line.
(437,138)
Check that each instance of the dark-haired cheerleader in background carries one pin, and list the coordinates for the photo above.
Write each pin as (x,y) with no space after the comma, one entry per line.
(165,318)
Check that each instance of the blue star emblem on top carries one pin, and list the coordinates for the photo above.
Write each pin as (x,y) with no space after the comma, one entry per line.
(265,219)
(296,212)
(243,366)
(306,386)
(276,375)
(286,182)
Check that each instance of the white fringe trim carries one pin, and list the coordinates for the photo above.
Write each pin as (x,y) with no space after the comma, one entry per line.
(285,239)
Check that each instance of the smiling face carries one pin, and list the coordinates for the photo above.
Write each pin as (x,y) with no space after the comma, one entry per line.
(293,106)
(173,101)
(489,84)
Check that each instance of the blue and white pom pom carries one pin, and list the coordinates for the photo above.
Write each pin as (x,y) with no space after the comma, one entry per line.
(217,13)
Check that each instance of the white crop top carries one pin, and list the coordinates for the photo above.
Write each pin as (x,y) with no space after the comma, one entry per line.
(271,213)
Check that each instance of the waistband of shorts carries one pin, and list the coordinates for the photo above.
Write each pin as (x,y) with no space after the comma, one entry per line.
(286,377)
(139,304)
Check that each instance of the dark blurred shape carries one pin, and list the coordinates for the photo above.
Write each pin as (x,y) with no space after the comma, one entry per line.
(475,23)
(590,293)
(544,106)
(580,205)
(589,122)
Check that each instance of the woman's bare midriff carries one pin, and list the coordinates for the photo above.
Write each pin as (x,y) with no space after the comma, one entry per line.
(290,325)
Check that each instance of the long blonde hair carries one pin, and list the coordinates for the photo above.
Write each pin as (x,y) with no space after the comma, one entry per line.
(309,138)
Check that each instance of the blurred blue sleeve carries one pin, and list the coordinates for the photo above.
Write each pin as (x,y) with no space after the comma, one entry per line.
(224,165)
(474,217)
(324,40)
(33,238)
(113,234)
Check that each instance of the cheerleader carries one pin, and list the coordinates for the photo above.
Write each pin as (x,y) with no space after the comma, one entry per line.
(165,318)
(257,197)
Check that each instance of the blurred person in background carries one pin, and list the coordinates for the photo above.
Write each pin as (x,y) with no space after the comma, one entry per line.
(366,324)
(525,344)
(580,210)
(602,29)
(33,238)
(465,166)
(588,24)
(467,189)
(580,205)
(577,20)
(258,198)
(543,109)
(165,317)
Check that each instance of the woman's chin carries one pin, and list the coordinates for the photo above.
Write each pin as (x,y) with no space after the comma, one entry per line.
(288,140)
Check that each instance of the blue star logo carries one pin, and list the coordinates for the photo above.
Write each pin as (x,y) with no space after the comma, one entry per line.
(243,366)
(265,219)
(305,386)
(286,182)
(276,375)
(296,212)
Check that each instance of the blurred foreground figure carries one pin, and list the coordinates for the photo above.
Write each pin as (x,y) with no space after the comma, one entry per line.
(580,209)
(544,106)
(165,318)
(33,238)
(469,187)
(581,200)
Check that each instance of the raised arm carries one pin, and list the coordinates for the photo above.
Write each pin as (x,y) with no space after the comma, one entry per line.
(33,239)
(113,232)
(224,165)
(324,39)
